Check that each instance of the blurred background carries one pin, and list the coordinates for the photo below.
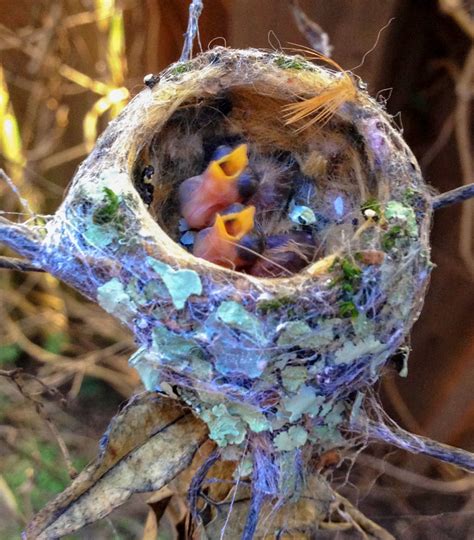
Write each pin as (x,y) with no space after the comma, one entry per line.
(67,67)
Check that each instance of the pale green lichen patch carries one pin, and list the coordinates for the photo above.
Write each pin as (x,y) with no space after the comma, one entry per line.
(398,213)
(327,435)
(115,300)
(237,317)
(146,369)
(99,235)
(299,334)
(181,284)
(244,468)
(295,437)
(224,428)
(351,352)
(304,402)
(255,419)
(174,349)
(293,377)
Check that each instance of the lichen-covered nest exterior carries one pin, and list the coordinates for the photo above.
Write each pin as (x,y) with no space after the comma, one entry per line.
(276,362)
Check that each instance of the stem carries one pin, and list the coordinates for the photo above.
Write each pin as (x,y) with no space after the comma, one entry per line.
(417,444)
(454,196)
(12,263)
(20,238)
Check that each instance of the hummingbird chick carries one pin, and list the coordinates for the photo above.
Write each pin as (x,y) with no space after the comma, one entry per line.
(274,189)
(285,254)
(231,241)
(224,182)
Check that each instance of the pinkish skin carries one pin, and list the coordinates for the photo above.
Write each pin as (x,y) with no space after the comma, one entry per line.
(220,243)
(201,198)
(210,246)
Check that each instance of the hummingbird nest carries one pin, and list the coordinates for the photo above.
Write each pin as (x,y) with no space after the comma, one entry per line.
(276,365)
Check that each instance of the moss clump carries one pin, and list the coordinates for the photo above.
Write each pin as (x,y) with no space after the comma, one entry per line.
(108,210)
(284,62)
(349,282)
(389,239)
(181,68)
(274,304)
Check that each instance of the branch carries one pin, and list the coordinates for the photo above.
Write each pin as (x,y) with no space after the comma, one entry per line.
(12,263)
(454,196)
(20,238)
(416,444)
(195,10)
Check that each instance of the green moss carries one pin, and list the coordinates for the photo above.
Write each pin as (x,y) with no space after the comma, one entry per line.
(107,211)
(389,239)
(349,283)
(285,62)
(182,67)
(347,308)
(274,304)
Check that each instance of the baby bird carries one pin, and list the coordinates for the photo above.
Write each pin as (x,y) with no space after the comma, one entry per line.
(230,242)
(224,182)
(285,254)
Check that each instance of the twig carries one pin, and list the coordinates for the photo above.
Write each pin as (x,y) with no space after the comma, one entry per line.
(462,126)
(360,521)
(417,480)
(416,444)
(17,377)
(12,263)
(195,10)
(20,238)
(314,34)
(455,9)
(454,196)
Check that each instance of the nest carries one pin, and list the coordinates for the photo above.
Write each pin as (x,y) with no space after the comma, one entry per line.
(276,365)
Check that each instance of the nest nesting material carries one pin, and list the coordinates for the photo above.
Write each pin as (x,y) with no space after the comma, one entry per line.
(274,365)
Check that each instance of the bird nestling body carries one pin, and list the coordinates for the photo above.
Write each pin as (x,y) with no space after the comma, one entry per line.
(231,241)
(224,182)
(285,254)
(274,186)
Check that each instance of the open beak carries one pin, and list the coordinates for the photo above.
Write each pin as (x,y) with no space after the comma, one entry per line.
(201,197)
(220,243)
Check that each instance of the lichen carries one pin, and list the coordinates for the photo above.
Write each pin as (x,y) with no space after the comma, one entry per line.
(115,300)
(305,401)
(287,441)
(237,317)
(400,214)
(223,427)
(351,352)
(300,334)
(181,284)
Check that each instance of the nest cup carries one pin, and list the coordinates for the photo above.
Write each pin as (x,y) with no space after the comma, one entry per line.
(273,365)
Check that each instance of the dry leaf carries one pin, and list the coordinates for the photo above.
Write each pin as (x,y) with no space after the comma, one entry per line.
(146,445)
